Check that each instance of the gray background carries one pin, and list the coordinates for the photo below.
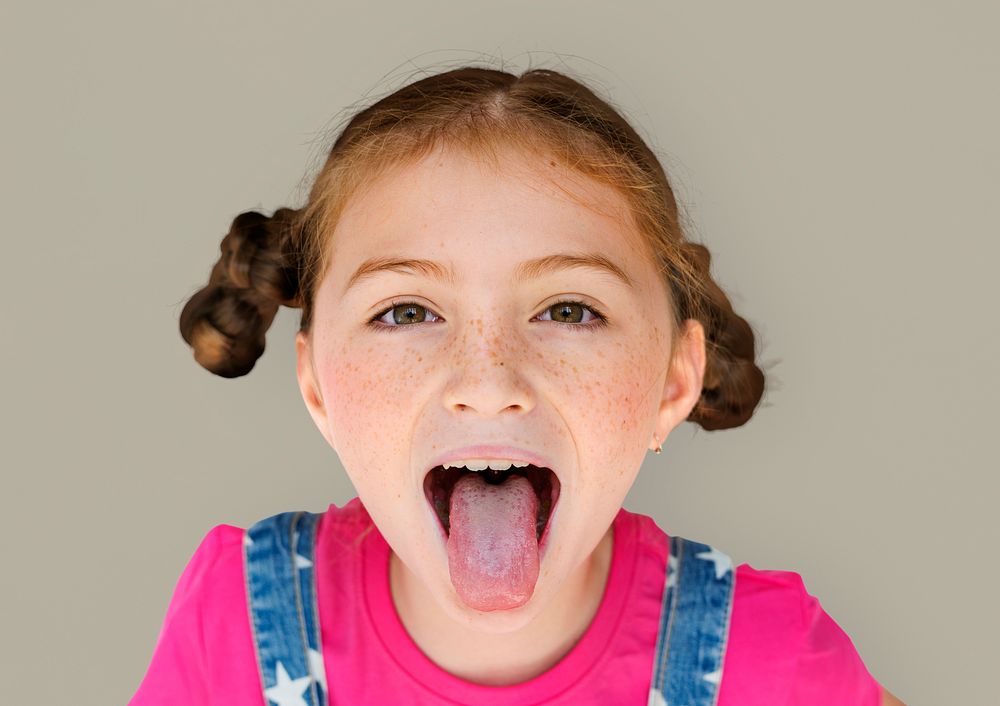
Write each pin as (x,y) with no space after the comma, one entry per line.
(840,160)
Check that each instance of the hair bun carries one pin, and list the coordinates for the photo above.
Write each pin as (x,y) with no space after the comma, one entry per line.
(733,383)
(225,321)
(732,389)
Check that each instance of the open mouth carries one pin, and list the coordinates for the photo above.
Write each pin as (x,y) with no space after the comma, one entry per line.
(439,483)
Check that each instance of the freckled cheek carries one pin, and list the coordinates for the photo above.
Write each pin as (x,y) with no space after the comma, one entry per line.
(367,394)
(612,402)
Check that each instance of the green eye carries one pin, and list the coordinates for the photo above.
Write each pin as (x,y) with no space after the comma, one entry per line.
(408,313)
(403,314)
(568,312)
(573,311)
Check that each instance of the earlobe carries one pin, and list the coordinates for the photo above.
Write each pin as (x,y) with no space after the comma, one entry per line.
(309,385)
(685,378)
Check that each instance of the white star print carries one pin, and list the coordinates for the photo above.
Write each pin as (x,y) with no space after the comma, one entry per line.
(722,562)
(316,667)
(301,562)
(288,692)
(671,571)
(713,677)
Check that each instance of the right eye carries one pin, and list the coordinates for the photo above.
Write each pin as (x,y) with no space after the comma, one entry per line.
(403,314)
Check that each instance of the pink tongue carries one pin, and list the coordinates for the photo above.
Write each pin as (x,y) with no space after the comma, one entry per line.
(492,549)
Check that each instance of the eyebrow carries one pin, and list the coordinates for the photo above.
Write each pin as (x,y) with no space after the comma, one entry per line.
(527,270)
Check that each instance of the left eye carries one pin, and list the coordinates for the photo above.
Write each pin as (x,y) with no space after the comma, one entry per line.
(569,309)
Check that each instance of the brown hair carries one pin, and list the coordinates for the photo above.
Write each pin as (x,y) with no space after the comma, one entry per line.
(279,260)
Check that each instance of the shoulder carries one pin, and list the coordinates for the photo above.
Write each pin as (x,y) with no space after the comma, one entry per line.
(217,555)
(212,575)
(204,643)
(781,635)
(782,646)
(211,581)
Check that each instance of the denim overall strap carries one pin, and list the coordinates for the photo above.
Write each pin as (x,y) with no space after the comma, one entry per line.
(694,625)
(278,554)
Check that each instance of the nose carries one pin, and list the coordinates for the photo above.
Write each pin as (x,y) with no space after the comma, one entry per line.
(488,372)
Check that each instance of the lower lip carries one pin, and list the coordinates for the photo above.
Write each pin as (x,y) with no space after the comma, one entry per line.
(543,542)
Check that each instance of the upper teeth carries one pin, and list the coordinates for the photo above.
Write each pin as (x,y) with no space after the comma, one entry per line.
(481,464)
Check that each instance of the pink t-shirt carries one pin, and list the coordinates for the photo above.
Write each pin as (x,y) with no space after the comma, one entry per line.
(784,650)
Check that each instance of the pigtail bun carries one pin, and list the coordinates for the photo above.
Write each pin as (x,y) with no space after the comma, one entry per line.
(733,384)
(225,321)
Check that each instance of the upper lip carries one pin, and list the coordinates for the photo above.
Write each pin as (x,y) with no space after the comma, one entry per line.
(512,453)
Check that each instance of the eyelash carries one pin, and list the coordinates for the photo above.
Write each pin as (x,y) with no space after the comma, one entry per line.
(600,320)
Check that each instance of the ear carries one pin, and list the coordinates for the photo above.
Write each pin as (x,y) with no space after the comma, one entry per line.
(309,384)
(685,378)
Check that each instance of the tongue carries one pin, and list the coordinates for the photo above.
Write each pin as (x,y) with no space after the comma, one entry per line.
(492,549)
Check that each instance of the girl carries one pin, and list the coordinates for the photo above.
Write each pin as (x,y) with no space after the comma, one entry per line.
(500,315)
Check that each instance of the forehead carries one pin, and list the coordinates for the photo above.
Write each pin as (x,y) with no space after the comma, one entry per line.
(454,204)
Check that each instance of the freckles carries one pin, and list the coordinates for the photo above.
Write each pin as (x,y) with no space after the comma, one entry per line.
(378,392)
(363,382)
(625,396)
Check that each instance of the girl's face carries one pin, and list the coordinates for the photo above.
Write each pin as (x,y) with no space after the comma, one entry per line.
(487,356)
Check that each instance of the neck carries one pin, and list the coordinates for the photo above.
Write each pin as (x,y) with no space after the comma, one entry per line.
(510,658)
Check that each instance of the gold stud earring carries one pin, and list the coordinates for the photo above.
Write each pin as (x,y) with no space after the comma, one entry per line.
(658,448)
